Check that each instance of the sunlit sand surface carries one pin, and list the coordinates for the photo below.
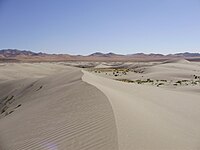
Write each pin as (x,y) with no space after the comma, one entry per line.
(105,106)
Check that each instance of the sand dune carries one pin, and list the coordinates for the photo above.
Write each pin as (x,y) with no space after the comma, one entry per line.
(56,112)
(184,61)
(102,66)
(174,75)
(150,118)
(54,106)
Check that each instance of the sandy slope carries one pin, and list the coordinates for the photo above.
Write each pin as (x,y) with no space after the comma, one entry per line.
(151,118)
(51,108)
(15,71)
(164,74)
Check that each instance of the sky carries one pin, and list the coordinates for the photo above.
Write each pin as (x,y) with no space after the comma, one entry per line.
(87,26)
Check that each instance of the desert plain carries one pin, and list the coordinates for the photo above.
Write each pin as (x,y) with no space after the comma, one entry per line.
(100,105)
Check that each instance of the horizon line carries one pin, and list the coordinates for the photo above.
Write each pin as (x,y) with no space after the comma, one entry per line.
(34,51)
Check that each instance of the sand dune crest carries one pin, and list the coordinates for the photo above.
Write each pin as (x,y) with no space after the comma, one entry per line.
(57,112)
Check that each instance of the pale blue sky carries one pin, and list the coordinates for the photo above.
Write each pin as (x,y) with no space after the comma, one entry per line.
(86,26)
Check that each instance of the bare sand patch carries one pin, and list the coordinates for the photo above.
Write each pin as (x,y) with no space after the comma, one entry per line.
(151,118)
(56,111)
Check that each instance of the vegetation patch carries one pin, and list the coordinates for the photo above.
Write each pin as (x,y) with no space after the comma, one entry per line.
(8,100)
(179,82)
(4,109)
(39,88)
(125,80)
(160,84)
(18,105)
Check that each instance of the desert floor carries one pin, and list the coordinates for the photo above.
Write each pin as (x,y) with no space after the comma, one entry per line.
(100,106)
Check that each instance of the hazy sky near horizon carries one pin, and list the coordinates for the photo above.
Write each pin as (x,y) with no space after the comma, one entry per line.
(86,26)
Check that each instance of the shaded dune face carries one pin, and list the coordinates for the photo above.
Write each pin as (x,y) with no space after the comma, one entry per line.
(57,112)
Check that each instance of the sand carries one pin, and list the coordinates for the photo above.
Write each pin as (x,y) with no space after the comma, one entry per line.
(58,111)
(150,118)
(55,106)
(164,75)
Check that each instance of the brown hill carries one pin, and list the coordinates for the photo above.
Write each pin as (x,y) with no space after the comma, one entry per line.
(14,55)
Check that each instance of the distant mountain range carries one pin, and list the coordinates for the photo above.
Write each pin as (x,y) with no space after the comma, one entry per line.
(188,54)
(98,54)
(14,52)
(14,55)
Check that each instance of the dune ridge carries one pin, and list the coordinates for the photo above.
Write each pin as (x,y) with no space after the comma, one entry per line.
(151,118)
(58,106)
(57,111)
